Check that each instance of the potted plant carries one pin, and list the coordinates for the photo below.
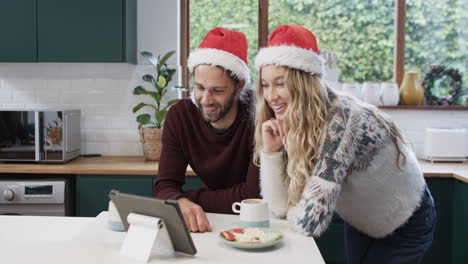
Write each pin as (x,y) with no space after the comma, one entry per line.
(151,125)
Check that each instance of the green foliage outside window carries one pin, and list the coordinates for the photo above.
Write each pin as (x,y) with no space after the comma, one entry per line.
(436,33)
(360,32)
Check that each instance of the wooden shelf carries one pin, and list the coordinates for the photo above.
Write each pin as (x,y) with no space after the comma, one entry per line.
(425,107)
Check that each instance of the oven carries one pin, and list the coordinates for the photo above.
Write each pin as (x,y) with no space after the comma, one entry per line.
(37,195)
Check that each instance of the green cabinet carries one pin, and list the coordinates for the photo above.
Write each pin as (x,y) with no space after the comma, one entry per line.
(451,232)
(92,190)
(460,223)
(18,31)
(331,244)
(68,31)
(80,31)
(442,192)
(192,182)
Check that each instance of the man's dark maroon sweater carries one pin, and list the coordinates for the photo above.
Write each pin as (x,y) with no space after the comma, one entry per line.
(223,162)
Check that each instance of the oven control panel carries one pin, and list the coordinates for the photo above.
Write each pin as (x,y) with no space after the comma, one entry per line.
(32,192)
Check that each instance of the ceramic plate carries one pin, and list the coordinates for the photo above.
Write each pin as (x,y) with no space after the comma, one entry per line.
(252,245)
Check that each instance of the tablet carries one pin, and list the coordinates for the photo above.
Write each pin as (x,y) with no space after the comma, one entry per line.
(168,210)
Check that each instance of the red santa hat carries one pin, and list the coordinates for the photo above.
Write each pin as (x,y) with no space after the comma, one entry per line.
(225,48)
(293,46)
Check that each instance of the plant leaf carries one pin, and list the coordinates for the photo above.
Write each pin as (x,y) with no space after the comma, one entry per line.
(149,78)
(170,103)
(167,56)
(146,54)
(164,91)
(157,97)
(139,90)
(160,115)
(138,107)
(168,74)
(181,88)
(163,69)
(153,60)
(145,119)
(164,59)
(162,81)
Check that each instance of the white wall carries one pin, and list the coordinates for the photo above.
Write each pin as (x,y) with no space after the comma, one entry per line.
(158,26)
(103,91)
(414,122)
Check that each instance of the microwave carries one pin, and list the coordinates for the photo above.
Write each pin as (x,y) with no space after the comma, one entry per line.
(49,136)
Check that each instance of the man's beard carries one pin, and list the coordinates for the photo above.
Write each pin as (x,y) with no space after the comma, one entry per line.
(221,114)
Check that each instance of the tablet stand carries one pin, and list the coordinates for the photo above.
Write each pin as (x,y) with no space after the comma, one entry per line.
(145,233)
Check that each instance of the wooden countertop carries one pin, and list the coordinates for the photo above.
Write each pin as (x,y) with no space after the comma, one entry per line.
(113,165)
(136,165)
(127,165)
(455,170)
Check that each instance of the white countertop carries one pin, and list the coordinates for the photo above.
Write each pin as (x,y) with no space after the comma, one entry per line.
(39,239)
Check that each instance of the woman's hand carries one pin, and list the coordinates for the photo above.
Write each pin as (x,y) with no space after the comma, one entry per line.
(273,135)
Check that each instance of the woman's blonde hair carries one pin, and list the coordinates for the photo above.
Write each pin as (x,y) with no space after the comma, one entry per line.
(305,122)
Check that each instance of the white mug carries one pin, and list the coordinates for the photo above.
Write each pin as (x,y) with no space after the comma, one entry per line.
(390,94)
(353,89)
(371,93)
(253,213)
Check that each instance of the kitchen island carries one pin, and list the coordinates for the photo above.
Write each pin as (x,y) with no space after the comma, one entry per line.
(33,239)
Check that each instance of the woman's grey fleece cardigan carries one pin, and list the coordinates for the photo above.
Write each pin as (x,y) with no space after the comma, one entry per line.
(356,175)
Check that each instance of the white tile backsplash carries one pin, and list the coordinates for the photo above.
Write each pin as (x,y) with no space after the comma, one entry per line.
(6,93)
(23,94)
(103,92)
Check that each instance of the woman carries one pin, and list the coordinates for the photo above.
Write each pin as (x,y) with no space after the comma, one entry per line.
(322,152)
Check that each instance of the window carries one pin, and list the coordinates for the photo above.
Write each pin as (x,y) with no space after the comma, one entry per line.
(368,36)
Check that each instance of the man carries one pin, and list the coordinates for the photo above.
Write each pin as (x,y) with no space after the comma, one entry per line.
(212,132)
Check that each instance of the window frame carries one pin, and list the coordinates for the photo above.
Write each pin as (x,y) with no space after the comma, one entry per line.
(399,45)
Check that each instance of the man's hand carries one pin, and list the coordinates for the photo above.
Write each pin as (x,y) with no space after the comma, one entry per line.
(194,216)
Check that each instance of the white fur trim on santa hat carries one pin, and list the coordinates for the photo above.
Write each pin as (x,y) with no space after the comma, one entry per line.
(221,58)
(291,56)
